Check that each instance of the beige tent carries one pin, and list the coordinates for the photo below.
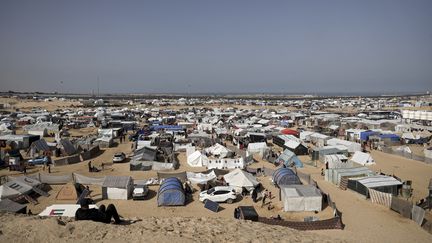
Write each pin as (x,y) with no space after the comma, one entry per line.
(68,192)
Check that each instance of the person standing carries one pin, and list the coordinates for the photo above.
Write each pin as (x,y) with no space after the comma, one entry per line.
(263,199)
(254,195)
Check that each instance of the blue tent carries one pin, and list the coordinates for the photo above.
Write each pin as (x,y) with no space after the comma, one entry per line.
(391,137)
(364,136)
(285,176)
(288,158)
(171,193)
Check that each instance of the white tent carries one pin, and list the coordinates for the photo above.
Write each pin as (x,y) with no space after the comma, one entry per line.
(337,161)
(257,148)
(218,150)
(362,158)
(403,149)
(351,146)
(200,178)
(301,198)
(197,159)
(117,187)
(239,178)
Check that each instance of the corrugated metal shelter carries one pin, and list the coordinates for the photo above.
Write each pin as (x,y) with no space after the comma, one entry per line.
(381,183)
(335,175)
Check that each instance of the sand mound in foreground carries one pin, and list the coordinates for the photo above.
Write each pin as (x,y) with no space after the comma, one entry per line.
(22,228)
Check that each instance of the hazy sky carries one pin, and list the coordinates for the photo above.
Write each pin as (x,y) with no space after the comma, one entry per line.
(216,46)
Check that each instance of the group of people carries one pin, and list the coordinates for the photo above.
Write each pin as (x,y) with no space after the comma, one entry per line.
(265,194)
(122,137)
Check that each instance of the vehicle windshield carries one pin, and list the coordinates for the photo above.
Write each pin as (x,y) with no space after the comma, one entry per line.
(210,191)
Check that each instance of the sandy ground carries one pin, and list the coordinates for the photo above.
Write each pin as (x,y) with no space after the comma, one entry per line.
(150,229)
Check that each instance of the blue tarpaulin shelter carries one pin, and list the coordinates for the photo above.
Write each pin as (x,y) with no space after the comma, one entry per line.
(285,176)
(166,127)
(288,158)
(392,137)
(364,136)
(171,193)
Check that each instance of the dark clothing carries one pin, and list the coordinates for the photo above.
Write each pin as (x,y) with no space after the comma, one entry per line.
(254,195)
(98,215)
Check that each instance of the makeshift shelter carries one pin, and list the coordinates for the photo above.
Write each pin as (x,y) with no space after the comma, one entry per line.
(218,150)
(117,187)
(197,159)
(335,175)
(301,198)
(239,178)
(319,153)
(352,147)
(200,178)
(171,193)
(362,158)
(288,131)
(67,147)
(337,161)
(257,148)
(288,158)
(285,176)
(10,206)
(381,183)
(7,192)
(67,192)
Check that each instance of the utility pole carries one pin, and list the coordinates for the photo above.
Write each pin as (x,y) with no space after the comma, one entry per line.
(98,86)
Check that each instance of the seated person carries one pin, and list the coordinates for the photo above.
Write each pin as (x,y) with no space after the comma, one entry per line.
(98,215)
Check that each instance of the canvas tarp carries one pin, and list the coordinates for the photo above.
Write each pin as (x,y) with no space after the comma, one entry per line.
(67,192)
(10,206)
(7,192)
(68,147)
(200,178)
(56,179)
(301,198)
(239,178)
(179,175)
(197,159)
(218,150)
(337,161)
(162,166)
(362,158)
(257,148)
(85,180)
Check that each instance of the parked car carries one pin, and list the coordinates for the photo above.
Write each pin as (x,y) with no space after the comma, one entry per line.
(140,192)
(119,157)
(39,160)
(219,194)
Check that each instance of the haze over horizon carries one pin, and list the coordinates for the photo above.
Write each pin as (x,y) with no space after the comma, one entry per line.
(380,46)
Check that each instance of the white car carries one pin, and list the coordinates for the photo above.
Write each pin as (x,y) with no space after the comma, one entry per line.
(219,194)
(119,157)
